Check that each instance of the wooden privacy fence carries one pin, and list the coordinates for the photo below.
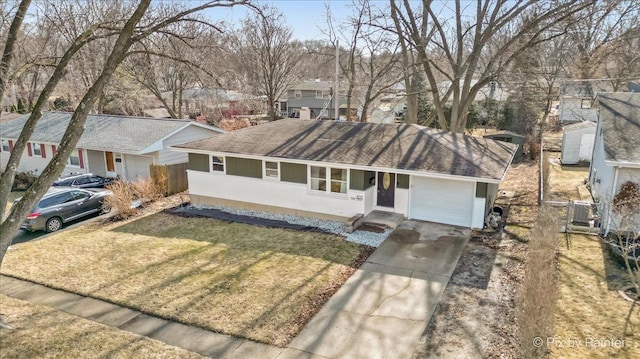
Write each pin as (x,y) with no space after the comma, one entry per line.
(170,178)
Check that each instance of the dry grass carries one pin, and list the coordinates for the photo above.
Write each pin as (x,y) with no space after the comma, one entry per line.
(564,181)
(42,332)
(589,305)
(243,280)
(124,193)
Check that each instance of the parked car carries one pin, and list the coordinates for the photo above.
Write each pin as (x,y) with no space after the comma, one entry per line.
(84,180)
(63,204)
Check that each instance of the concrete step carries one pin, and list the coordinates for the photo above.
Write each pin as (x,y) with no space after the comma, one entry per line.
(382,218)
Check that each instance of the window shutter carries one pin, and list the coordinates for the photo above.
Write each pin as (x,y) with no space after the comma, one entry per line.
(43,151)
(10,146)
(53,150)
(80,158)
(29,149)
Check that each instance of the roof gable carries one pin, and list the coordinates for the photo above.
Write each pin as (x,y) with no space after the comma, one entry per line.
(619,118)
(102,132)
(384,146)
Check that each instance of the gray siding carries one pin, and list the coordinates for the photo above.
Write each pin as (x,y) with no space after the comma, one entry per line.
(361,180)
(293,172)
(243,167)
(188,134)
(198,162)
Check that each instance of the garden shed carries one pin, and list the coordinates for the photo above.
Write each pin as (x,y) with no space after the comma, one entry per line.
(511,137)
(577,142)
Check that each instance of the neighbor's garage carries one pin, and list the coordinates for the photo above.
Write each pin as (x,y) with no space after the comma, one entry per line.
(442,200)
(137,166)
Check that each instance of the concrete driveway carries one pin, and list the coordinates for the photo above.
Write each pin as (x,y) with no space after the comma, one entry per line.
(383,309)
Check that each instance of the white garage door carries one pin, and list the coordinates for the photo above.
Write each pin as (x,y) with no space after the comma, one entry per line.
(137,166)
(442,200)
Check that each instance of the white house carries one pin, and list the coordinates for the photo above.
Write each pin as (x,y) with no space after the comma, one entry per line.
(616,153)
(577,142)
(331,169)
(110,145)
(577,101)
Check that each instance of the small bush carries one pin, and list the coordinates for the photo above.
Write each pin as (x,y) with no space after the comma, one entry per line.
(125,193)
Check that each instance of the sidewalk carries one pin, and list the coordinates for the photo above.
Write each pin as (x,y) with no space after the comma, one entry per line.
(380,312)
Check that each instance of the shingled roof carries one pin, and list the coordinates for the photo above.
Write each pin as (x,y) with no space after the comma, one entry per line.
(102,132)
(619,118)
(378,146)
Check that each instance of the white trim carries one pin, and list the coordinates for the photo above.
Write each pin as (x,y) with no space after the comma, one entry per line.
(395,187)
(328,180)
(342,165)
(224,164)
(156,146)
(264,171)
(622,164)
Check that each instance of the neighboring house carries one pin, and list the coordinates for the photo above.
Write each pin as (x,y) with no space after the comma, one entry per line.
(310,100)
(577,142)
(510,137)
(110,145)
(330,169)
(577,101)
(616,152)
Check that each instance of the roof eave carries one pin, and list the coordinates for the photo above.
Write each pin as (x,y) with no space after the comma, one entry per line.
(629,164)
(333,164)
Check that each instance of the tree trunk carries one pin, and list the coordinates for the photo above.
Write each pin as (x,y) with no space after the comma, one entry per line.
(7,55)
(12,223)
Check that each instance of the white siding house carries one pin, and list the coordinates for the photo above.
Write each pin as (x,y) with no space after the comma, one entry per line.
(335,170)
(577,142)
(616,153)
(110,146)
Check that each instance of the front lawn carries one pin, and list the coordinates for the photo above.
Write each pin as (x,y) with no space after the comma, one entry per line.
(243,280)
(42,332)
(589,306)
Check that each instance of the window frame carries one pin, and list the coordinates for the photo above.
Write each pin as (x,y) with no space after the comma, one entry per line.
(265,170)
(586,104)
(4,143)
(71,155)
(36,146)
(222,162)
(328,180)
(322,95)
(297,93)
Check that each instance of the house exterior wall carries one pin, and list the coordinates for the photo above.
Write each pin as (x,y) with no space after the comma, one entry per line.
(573,140)
(35,164)
(571,110)
(278,195)
(96,163)
(601,175)
(190,133)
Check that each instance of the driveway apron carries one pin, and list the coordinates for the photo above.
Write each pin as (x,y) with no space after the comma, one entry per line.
(383,309)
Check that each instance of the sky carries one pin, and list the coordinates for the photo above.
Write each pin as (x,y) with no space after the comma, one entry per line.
(304,16)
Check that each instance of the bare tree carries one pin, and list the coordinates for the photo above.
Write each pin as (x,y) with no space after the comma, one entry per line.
(266,56)
(462,49)
(370,56)
(135,28)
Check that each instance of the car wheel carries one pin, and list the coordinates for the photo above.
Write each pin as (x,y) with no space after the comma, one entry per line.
(53,224)
(105,209)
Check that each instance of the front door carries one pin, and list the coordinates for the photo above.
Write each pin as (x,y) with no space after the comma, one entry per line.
(386,189)
(111,167)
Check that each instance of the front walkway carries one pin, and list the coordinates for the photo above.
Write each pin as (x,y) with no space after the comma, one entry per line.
(383,309)
(380,312)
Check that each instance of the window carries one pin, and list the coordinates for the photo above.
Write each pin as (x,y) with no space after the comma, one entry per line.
(37,150)
(338,180)
(586,103)
(74,159)
(318,178)
(297,93)
(271,170)
(5,146)
(336,177)
(322,94)
(79,195)
(217,164)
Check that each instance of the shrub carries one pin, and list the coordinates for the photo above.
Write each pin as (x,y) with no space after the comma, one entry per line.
(125,193)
